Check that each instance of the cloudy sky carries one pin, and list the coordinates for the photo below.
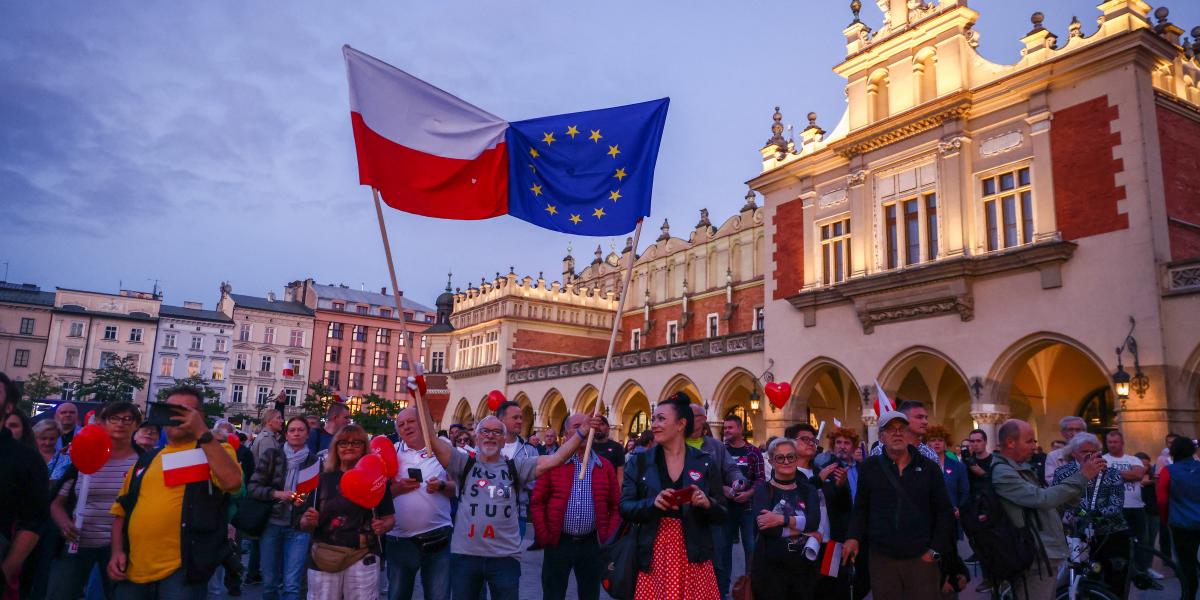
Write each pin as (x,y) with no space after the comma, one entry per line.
(197,142)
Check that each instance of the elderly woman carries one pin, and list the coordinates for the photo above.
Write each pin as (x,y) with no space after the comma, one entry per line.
(789,511)
(45,434)
(1098,517)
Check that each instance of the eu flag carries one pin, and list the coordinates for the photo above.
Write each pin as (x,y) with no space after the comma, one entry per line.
(585,173)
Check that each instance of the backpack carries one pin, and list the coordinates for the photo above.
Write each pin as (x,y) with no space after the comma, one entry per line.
(1005,551)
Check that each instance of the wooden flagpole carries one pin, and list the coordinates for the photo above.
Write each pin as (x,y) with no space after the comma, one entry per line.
(612,342)
(387,251)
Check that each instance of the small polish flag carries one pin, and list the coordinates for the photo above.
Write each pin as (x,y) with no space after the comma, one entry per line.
(832,559)
(837,423)
(306,481)
(882,402)
(188,466)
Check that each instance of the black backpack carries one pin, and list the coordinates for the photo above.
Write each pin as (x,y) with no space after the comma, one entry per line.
(1005,551)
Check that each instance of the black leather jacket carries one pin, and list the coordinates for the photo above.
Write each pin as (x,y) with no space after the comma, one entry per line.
(642,486)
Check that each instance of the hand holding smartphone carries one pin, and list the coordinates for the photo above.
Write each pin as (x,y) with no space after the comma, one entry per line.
(163,414)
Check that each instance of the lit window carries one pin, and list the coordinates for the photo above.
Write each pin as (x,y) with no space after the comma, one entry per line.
(383,336)
(333,354)
(193,367)
(356,381)
(335,331)
(218,371)
(379,383)
(1008,209)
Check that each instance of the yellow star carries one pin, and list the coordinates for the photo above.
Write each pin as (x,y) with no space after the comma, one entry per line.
(599,212)
(536,189)
(550,208)
(620,174)
(614,195)
(572,131)
(595,137)
(575,219)
(533,152)
(548,138)
(613,151)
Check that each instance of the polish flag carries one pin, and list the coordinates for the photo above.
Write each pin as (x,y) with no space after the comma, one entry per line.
(419,145)
(306,481)
(882,402)
(831,561)
(188,466)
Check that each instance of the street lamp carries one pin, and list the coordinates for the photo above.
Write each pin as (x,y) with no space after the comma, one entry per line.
(768,376)
(1122,380)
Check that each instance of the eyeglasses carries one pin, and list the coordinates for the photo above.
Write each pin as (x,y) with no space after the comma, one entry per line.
(784,459)
(491,432)
(807,440)
(122,419)
(351,444)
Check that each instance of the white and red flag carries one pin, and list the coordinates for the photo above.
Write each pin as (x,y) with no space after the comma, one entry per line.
(882,402)
(187,466)
(831,559)
(306,481)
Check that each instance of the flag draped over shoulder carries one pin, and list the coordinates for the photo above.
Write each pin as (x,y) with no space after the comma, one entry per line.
(431,153)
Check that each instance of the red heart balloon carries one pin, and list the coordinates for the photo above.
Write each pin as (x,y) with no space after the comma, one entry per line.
(494,399)
(382,447)
(778,393)
(234,441)
(363,487)
(373,464)
(90,449)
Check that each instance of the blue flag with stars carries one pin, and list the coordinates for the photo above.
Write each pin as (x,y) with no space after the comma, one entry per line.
(585,173)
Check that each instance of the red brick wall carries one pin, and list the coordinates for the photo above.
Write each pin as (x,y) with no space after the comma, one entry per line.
(553,342)
(743,319)
(1081,154)
(789,248)
(1179,143)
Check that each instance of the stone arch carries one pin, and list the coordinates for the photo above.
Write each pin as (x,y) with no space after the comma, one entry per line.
(1045,376)
(1191,386)
(925,74)
(463,414)
(631,410)
(527,420)
(585,400)
(738,393)
(925,374)
(877,95)
(552,410)
(825,389)
(681,383)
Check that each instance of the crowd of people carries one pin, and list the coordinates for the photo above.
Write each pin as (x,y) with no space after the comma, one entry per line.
(172,508)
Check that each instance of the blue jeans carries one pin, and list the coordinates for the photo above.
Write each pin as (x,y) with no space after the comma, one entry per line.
(172,587)
(722,557)
(741,522)
(502,576)
(72,571)
(284,554)
(405,560)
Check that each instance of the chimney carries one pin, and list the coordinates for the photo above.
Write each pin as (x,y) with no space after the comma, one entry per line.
(383,290)
(193,305)
(270,296)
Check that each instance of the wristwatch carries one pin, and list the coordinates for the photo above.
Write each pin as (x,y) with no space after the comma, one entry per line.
(205,438)
(936,555)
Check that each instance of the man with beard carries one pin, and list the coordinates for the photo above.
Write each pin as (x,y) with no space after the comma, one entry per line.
(609,449)
(840,484)
(918,426)
(486,544)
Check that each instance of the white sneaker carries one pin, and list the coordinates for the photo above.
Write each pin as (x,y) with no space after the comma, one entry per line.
(1154,574)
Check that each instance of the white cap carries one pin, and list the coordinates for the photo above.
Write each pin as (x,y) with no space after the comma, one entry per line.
(890,416)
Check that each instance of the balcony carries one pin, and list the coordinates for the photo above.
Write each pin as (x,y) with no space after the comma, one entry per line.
(475,372)
(727,345)
(1182,277)
(239,372)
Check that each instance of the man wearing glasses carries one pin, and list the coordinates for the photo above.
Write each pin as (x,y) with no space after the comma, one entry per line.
(1070,427)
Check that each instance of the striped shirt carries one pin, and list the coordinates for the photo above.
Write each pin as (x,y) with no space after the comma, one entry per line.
(103,489)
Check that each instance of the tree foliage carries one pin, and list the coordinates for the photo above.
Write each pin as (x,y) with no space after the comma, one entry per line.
(39,386)
(317,400)
(377,415)
(116,381)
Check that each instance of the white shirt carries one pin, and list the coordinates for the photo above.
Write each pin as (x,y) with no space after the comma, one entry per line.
(1133,489)
(510,449)
(419,511)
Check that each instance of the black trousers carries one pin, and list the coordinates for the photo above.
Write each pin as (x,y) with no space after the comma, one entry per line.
(1113,554)
(781,577)
(1187,541)
(578,554)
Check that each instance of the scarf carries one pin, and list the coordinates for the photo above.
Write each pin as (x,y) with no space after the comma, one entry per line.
(295,460)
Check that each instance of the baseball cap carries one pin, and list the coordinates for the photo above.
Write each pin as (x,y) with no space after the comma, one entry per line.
(890,416)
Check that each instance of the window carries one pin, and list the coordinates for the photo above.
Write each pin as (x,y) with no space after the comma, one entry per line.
(362,309)
(672,332)
(167,367)
(218,371)
(266,363)
(72,357)
(889,216)
(221,345)
(912,232)
(383,336)
(269,335)
(106,358)
(424,340)
(714,325)
(402,363)
(381,358)
(21,358)
(437,363)
(1008,209)
(290,395)
(135,361)
(263,395)
(296,338)
(835,251)
(297,366)
(359,333)
(358,356)
(197,342)
(239,393)
(169,340)
(931,226)
(244,332)
(135,334)
(401,385)
(333,354)
(339,306)
(193,367)
(379,383)
(110,332)
(385,313)
(635,339)
(76,330)
(759,318)
(335,331)
(27,326)
(402,335)
(239,362)
(356,381)
(908,216)
(332,378)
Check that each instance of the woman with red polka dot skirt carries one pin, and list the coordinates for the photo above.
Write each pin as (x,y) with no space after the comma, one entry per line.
(669,491)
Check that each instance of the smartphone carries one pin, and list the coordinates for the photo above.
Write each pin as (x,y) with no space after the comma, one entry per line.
(681,496)
(163,414)
(415,473)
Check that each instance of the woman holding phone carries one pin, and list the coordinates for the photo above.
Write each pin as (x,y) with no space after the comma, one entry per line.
(669,491)
(284,545)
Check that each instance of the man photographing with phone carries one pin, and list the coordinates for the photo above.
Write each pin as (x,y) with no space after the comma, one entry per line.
(185,482)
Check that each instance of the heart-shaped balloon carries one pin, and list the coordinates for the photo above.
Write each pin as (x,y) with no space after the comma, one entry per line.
(90,449)
(494,399)
(363,487)
(778,393)
(382,447)
(234,441)
(372,463)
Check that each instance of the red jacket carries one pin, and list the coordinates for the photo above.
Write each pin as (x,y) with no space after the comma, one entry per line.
(548,504)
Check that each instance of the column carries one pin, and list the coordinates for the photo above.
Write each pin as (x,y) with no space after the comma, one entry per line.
(989,422)
(869,421)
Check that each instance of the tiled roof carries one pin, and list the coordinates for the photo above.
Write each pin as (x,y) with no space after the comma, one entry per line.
(79,310)
(279,306)
(337,292)
(25,293)
(180,312)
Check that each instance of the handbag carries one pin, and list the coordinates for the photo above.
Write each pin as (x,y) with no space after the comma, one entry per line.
(433,541)
(619,557)
(335,559)
(253,514)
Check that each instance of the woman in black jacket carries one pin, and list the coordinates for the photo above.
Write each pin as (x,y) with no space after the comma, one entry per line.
(284,545)
(788,512)
(669,492)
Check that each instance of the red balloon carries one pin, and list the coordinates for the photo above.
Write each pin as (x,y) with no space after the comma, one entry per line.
(363,487)
(234,441)
(373,464)
(87,419)
(494,399)
(383,447)
(90,449)
(778,393)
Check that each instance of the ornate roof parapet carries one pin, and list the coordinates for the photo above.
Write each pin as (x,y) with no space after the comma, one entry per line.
(813,133)
(1039,41)
(666,231)
(703,222)
(1165,28)
(776,140)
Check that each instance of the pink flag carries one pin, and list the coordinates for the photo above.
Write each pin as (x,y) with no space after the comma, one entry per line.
(188,466)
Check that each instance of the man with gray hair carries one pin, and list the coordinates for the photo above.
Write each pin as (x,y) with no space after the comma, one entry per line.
(1069,426)
(67,415)
(1024,497)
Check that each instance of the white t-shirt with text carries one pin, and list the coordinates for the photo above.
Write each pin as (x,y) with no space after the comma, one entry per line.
(419,511)
(1133,489)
